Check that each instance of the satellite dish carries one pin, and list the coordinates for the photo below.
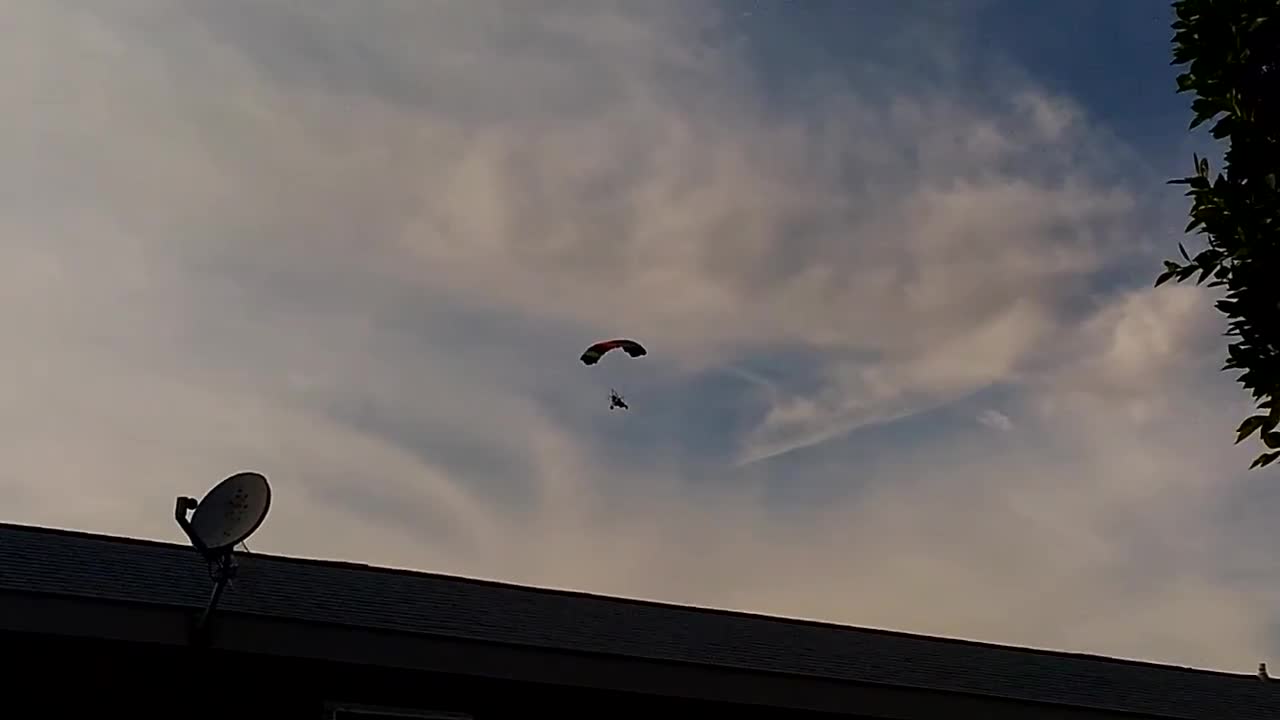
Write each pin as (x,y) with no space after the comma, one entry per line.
(232,511)
(229,513)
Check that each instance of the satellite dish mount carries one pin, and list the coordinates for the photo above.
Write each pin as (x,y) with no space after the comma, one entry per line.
(229,513)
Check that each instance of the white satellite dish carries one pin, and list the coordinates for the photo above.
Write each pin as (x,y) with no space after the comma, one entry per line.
(232,511)
(229,513)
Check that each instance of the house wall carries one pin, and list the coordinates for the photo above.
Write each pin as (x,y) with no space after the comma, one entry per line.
(71,657)
(72,677)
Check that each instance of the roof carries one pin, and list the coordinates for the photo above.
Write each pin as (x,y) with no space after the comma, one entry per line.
(79,564)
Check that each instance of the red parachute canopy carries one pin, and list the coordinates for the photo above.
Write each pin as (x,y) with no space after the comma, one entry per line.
(597,351)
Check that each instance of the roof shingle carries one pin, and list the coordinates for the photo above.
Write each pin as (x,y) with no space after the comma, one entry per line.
(79,564)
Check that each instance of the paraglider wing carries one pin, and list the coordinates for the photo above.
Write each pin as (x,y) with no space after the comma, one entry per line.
(597,351)
(633,348)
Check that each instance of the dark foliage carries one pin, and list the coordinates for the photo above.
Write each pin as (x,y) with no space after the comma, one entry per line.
(1231,50)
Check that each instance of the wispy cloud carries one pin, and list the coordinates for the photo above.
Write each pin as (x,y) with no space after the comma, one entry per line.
(359,249)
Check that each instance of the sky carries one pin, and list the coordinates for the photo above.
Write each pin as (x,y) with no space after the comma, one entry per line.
(892,261)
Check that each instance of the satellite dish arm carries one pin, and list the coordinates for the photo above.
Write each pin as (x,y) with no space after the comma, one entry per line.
(200,631)
(180,510)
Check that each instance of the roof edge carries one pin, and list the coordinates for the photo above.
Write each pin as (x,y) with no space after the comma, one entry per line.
(644,602)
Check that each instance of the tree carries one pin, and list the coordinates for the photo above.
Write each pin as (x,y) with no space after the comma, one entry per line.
(1232,52)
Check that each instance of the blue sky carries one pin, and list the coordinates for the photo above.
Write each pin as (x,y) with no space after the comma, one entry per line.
(892,261)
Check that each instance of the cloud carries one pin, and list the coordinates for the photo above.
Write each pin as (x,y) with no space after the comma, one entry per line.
(995,420)
(360,250)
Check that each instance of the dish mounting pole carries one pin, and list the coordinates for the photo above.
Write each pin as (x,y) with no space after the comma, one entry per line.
(222,566)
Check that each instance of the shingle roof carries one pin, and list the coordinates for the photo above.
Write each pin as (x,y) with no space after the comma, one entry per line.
(80,564)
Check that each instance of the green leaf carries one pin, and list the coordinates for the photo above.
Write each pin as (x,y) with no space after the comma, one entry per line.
(1265,459)
(1165,277)
(1182,249)
(1271,439)
(1249,427)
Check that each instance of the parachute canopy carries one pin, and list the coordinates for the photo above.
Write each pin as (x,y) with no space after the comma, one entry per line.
(597,351)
